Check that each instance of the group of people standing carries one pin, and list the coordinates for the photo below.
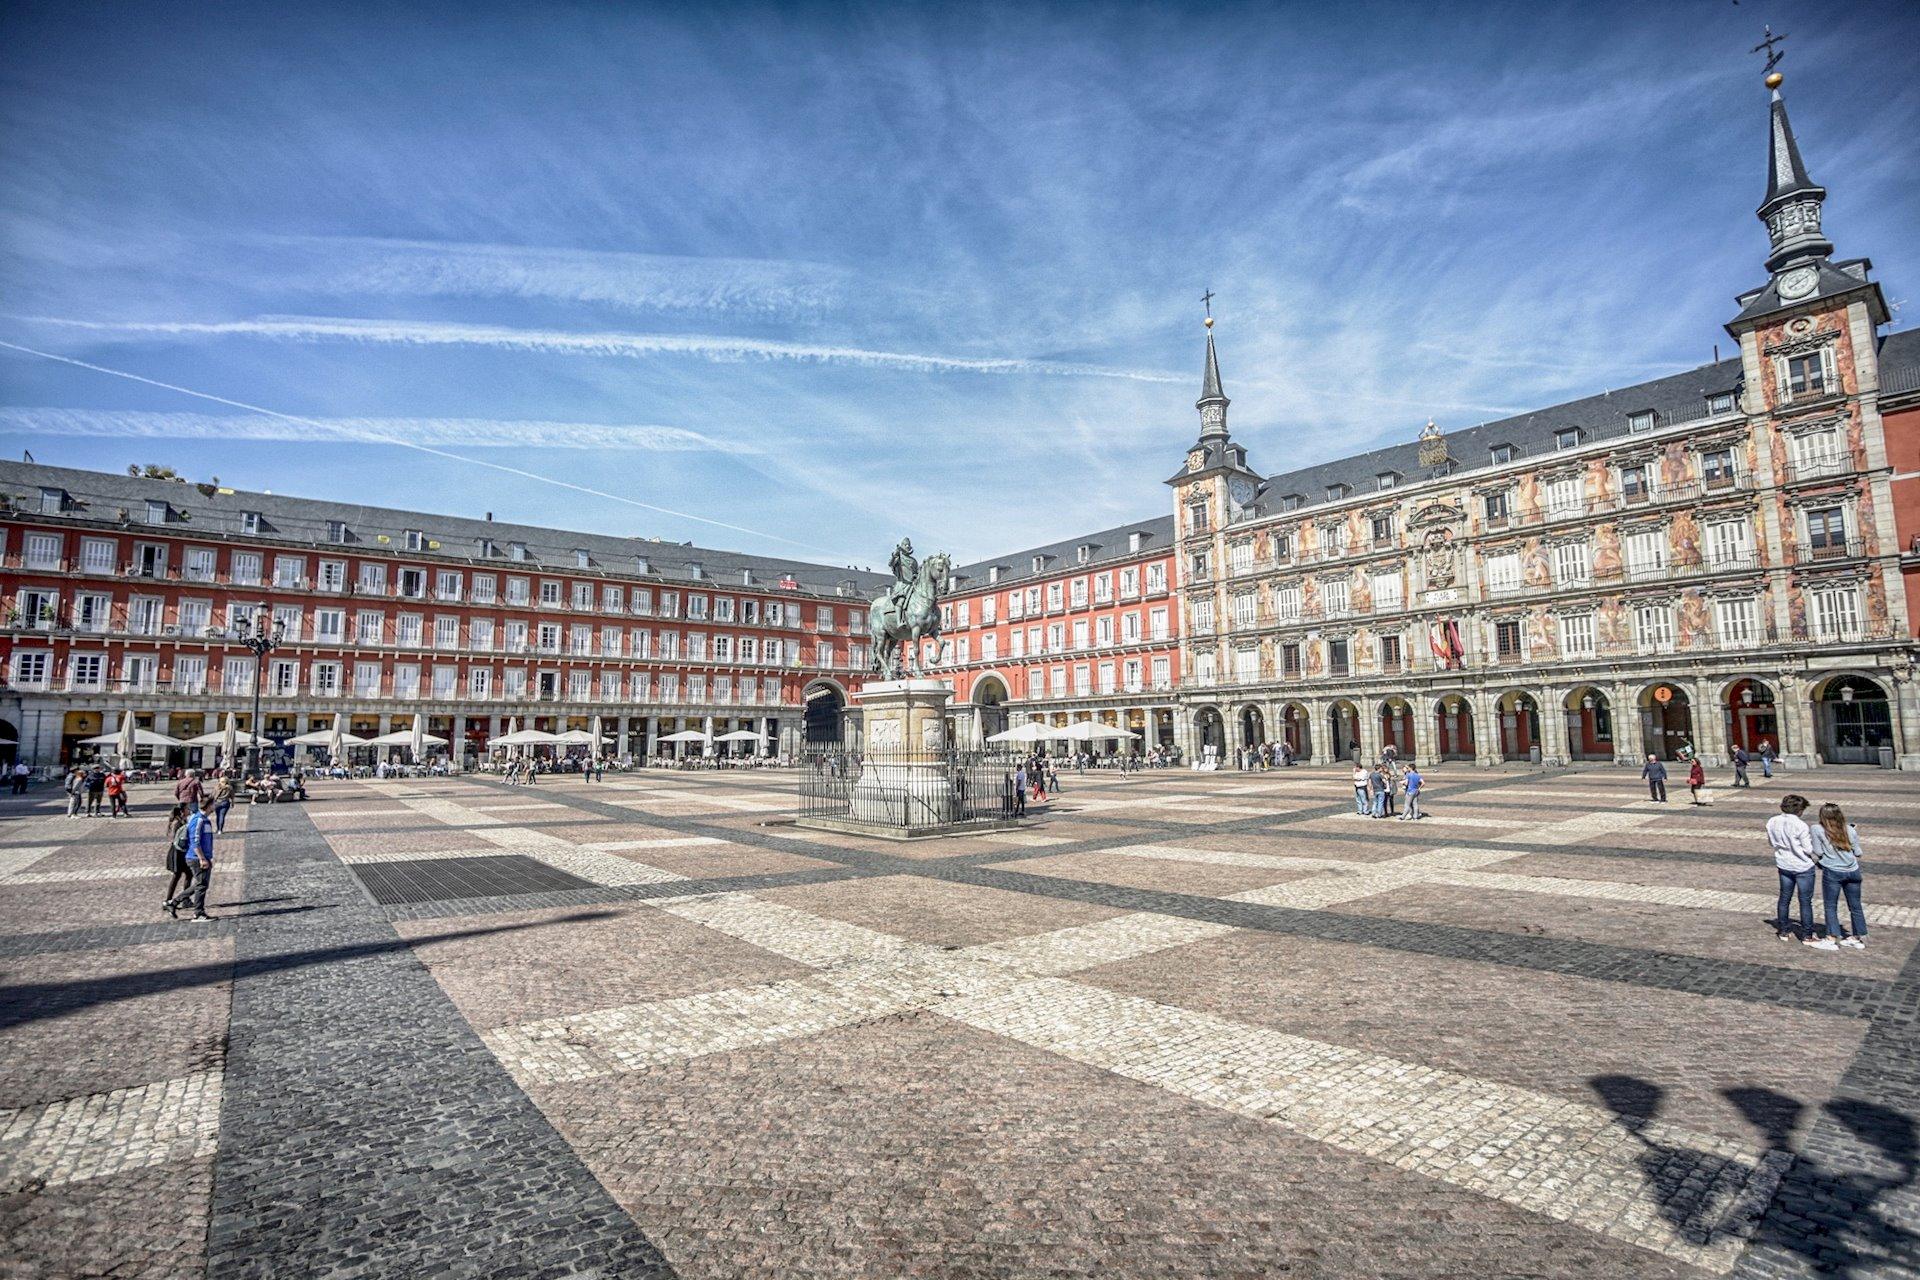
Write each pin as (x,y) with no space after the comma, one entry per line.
(90,785)
(1387,789)
(1828,848)
(1037,773)
(1267,755)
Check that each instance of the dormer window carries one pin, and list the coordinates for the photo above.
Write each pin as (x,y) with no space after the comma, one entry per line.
(695,571)
(1641,421)
(1291,502)
(1567,438)
(487,549)
(1039,563)
(1083,552)
(580,559)
(1386,479)
(1720,403)
(640,565)
(993,573)
(1501,454)
(158,512)
(516,551)
(1335,492)
(416,540)
(250,522)
(52,501)
(336,531)
(1134,540)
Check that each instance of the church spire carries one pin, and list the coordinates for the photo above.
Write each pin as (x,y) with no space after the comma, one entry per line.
(1213,402)
(1791,210)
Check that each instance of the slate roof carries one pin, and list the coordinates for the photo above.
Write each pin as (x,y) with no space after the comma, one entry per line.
(1108,545)
(303,522)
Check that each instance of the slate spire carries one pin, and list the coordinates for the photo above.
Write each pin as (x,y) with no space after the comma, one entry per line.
(1213,402)
(1791,210)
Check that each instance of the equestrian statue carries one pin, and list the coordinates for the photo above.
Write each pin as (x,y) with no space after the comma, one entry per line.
(909,611)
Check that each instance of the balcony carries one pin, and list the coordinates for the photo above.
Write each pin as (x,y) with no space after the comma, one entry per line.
(1824,467)
(1822,553)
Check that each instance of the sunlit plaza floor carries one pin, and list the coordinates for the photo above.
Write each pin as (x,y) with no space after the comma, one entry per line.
(1179,1024)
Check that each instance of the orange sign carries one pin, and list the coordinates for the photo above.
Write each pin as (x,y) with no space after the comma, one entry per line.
(1663,694)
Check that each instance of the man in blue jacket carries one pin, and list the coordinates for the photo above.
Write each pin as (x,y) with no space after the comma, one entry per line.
(199,856)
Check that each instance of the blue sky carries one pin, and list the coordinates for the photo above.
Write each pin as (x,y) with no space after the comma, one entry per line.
(826,274)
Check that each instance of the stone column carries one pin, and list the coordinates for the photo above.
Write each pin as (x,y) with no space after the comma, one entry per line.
(1709,723)
(1486,729)
(1800,744)
(1628,746)
(1906,721)
(1320,735)
(1554,746)
(1370,737)
(1426,746)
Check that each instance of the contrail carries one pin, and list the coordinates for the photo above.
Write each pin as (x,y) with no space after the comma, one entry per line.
(421,448)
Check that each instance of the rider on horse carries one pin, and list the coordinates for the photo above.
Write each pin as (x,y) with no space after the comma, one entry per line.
(905,568)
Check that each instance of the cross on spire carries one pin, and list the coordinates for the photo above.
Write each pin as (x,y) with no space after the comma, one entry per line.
(1206,300)
(1773,55)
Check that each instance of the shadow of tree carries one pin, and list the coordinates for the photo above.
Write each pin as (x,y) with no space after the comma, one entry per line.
(1826,1214)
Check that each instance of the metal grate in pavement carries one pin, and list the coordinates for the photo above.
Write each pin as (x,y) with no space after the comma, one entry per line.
(441,879)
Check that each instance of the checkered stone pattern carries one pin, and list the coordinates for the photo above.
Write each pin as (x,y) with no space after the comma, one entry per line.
(1179,1024)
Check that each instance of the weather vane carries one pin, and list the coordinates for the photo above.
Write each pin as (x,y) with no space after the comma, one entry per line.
(1773,55)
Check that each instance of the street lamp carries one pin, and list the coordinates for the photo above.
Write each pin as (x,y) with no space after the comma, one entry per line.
(262,642)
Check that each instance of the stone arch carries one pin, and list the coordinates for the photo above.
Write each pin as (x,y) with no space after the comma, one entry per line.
(1750,707)
(1251,722)
(1343,726)
(1453,727)
(1852,719)
(1395,715)
(1519,723)
(1590,729)
(1296,729)
(824,715)
(1666,723)
(1209,733)
(989,696)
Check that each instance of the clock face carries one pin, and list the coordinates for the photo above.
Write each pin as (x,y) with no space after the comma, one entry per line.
(1196,459)
(1798,283)
(1240,489)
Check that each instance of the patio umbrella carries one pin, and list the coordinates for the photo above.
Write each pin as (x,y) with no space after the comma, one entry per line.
(742,735)
(337,741)
(1106,732)
(229,741)
(206,739)
(124,747)
(526,738)
(403,738)
(599,732)
(133,736)
(578,737)
(1028,732)
(686,735)
(419,743)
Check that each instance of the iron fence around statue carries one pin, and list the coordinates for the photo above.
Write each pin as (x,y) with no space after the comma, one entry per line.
(910,790)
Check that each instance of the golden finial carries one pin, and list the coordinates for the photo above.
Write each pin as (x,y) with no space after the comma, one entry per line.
(1208,322)
(1773,80)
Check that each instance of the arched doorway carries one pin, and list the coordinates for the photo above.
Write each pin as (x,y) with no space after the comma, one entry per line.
(1752,717)
(1589,715)
(1519,726)
(1453,729)
(1296,731)
(826,714)
(1396,727)
(1666,720)
(1853,720)
(989,699)
(1253,726)
(1209,733)
(1343,722)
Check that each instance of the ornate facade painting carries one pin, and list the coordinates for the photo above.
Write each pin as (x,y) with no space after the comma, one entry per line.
(1315,657)
(1796,612)
(1608,562)
(1693,624)
(1599,481)
(1683,537)
(1611,624)
(1529,496)
(1360,594)
(1439,558)
(1535,570)
(1541,632)
(1674,472)
(1310,597)
(1266,660)
(1877,605)
(1869,527)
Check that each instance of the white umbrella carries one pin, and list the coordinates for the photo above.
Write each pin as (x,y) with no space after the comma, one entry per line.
(403,738)
(686,735)
(1079,731)
(1028,732)
(337,740)
(599,732)
(419,743)
(124,746)
(139,738)
(742,735)
(229,741)
(1106,731)
(206,739)
(579,737)
(526,738)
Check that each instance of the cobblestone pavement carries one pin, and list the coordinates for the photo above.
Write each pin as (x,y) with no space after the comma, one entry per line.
(1178,1025)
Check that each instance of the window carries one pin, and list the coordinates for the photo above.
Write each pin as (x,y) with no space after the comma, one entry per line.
(1495,505)
(1716,468)
(250,522)
(190,674)
(1653,627)
(140,672)
(1383,530)
(516,551)
(42,551)
(1240,557)
(1246,665)
(330,626)
(413,583)
(1720,402)
(373,578)
(549,592)
(1576,635)
(1286,603)
(1827,533)
(336,531)
(86,671)
(1567,438)
(1339,662)
(195,617)
(1506,639)
(446,681)
(1202,566)
(480,682)
(98,555)
(369,626)
(1335,595)
(1082,553)
(283,677)
(1282,547)
(697,608)
(1246,607)
(1805,375)
(1503,572)
(408,630)
(1157,625)
(1646,554)
(1291,502)
(1053,597)
(446,632)
(483,588)
(1835,614)
(1162,673)
(1387,590)
(1730,544)
(1389,653)
(1290,660)
(610,643)
(446,585)
(199,566)
(519,591)
(1734,620)
(1565,496)
(1501,454)
(1333,539)
(1386,480)
(1203,616)
(52,501)
(1636,483)
(333,575)
(92,613)
(582,596)
(1572,564)
(1335,492)
(416,541)
(1642,421)
(326,679)
(1815,453)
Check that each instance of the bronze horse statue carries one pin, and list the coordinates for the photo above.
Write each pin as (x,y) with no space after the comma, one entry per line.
(910,614)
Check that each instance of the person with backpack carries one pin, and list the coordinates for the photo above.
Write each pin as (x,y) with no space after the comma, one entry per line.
(198,856)
(1836,846)
(96,788)
(178,872)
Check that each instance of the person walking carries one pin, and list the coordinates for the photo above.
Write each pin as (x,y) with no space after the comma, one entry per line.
(21,773)
(76,785)
(1414,783)
(1740,762)
(1361,805)
(1656,775)
(1766,757)
(199,859)
(116,788)
(1836,847)
(1696,779)
(1020,790)
(222,802)
(189,789)
(1793,857)
(96,788)
(1037,777)
(178,872)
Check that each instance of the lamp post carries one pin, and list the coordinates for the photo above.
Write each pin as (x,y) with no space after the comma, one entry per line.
(262,642)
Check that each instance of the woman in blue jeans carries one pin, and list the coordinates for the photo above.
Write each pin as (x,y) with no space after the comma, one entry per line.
(1836,844)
